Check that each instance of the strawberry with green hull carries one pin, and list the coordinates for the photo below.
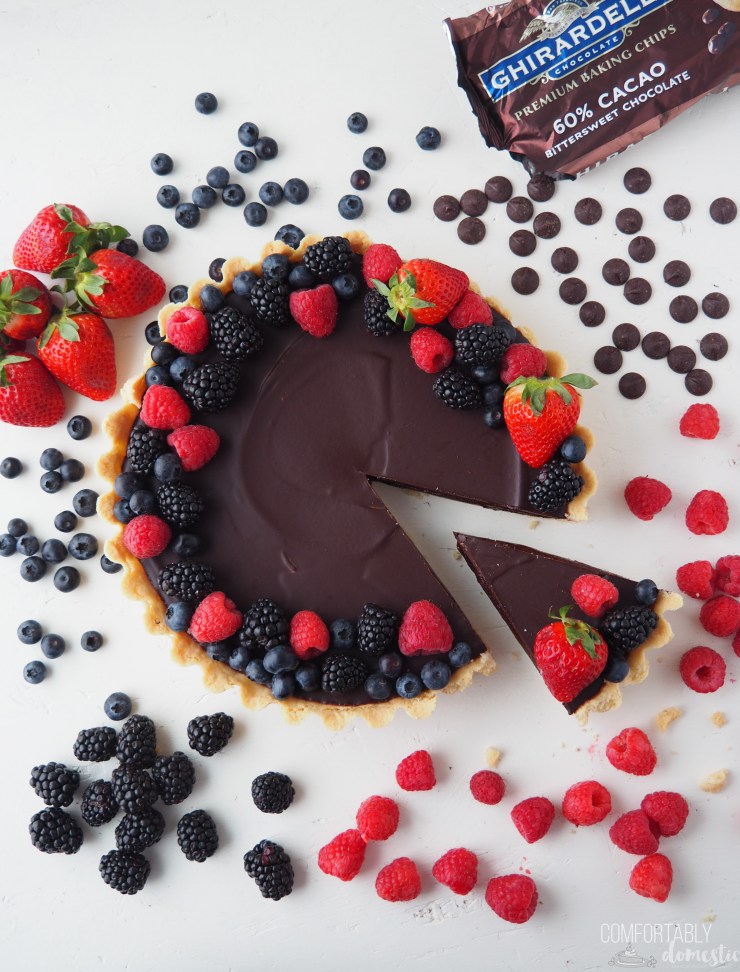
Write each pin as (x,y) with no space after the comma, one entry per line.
(112,283)
(423,292)
(25,305)
(46,241)
(29,396)
(570,655)
(78,350)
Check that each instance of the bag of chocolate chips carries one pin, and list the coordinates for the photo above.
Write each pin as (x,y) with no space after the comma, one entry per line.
(565,85)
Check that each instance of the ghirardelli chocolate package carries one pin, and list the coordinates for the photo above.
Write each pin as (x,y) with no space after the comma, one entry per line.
(566,84)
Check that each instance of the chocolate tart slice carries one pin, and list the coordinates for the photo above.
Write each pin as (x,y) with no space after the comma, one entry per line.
(290,510)
(524,584)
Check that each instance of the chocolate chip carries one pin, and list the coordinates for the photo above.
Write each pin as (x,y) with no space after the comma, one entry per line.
(626,337)
(715,46)
(656,345)
(632,385)
(637,290)
(629,221)
(525,280)
(446,208)
(723,210)
(713,346)
(676,273)
(564,259)
(473,202)
(541,187)
(592,313)
(588,211)
(637,180)
(641,249)
(471,230)
(677,207)
(616,272)
(519,209)
(499,189)
(522,242)
(608,360)
(698,382)
(546,225)
(715,305)
(709,16)
(573,290)
(681,359)
(683,309)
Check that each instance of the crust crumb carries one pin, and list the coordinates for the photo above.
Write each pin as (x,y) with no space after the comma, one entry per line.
(715,782)
(719,719)
(666,716)
(493,757)
(533,524)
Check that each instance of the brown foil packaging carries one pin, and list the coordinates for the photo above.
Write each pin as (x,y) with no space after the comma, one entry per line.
(567,84)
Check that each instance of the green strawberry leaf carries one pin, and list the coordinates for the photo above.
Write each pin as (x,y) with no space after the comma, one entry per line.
(63,323)
(6,287)
(578,632)
(19,307)
(578,380)
(27,294)
(380,287)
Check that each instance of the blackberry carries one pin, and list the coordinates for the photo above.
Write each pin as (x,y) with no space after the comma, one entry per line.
(124,871)
(269,866)
(133,789)
(212,387)
(480,344)
(234,335)
(179,504)
(272,792)
(144,446)
(54,832)
(136,745)
(98,805)
(95,745)
(377,630)
(265,625)
(625,628)
(209,734)
(187,581)
(269,299)
(197,836)
(375,309)
(456,390)
(174,776)
(54,783)
(136,832)
(343,673)
(556,484)
(329,257)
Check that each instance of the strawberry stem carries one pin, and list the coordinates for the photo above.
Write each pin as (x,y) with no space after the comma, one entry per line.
(577,632)
(402,299)
(534,390)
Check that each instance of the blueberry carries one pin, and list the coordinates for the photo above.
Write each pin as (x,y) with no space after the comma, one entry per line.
(122,511)
(428,138)
(239,659)
(391,664)
(7,545)
(219,651)
(128,246)
(117,706)
(211,299)
(29,632)
(256,672)
(157,375)
(187,545)
(164,354)
(357,123)
(460,654)
(34,672)
(276,266)
(398,200)
(161,164)
(616,669)
(300,277)
(243,283)
(168,196)
(126,484)
(142,501)
(206,103)
(493,416)
(350,207)
(28,545)
(374,158)
(84,546)
(152,333)
(379,687)
(204,197)
(17,527)
(33,569)
(233,194)
(308,677)
(435,674)
(245,161)
(248,134)
(67,579)
(109,566)
(484,374)
(178,295)
(53,645)
(408,686)
(155,237)
(51,459)
(290,234)
(573,449)
(72,470)
(65,521)
(271,193)
(187,215)
(85,502)
(79,427)
(343,634)
(51,482)
(266,148)
(91,640)
(255,214)
(493,392)
(215,269)
(10,467)
(283,685)
(346,286)
(360,179)
(295,191)
(646,592)
(167,467)
(217,177)
(282,658)
(53,551)
(178,615)
(182,367)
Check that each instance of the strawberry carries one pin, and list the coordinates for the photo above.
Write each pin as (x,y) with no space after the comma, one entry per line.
(29,395)
(541,412)
(380,262)
(570,654)
(423,292)
(78,350)
(112,283)
(315,310)
(47,239)
(25,305)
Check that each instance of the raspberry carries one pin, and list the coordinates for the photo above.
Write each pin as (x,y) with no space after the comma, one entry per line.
(487,787)
(645,496)
(533,818)
(309,636)
(146,536)
(342,857)
(187,330)
(707,513)
(633,833)
(457,870)
(700,422)
(164,408)
(315,311)
(594,595)
(431,351)
(668,811)
(728,575)
(416,772)
(215,619)
(652,876)
(586,803)
(398,881)
(512,897)
(380,262)
(736,643)
(424,630)
(195,445)
(470,309)
(377,818)
(720,616)
(522,359)
(702,669)
(696,579)
(631,751)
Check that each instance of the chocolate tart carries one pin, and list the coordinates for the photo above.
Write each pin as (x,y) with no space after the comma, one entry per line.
(291,513)
(524,584)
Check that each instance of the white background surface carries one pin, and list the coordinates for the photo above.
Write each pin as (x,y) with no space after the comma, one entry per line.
(89,95)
